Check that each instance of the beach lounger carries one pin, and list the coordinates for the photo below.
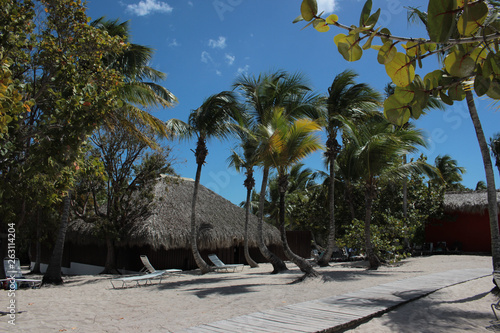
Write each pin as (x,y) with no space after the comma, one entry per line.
(13,272)
(222,267)
(150,269)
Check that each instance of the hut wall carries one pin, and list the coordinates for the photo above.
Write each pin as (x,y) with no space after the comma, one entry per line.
(469,230)
(300,242)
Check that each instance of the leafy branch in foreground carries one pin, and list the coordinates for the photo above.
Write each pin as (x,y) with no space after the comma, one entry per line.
(466,33)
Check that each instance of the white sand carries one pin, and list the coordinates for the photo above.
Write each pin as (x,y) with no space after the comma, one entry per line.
(90,304)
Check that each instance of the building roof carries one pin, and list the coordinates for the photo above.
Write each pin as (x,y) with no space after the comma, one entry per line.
(469,202)
(220,223)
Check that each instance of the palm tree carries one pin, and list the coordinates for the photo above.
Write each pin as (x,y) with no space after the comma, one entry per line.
(375,147)
(345,98)
(495,149)
(289,144)
(211,120)
(136,95)
(248,160)
(450,174)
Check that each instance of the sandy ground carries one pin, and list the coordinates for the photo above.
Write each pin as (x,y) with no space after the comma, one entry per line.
(90,304)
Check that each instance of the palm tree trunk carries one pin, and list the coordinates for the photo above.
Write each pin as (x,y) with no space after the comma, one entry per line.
(194,230)
(405,205)
(370,253)
(490,181)
(249,259)
(278,264)
(297,260)
(53,273)
(325,258)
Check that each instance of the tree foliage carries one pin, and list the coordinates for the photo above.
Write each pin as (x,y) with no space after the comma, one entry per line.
(465,33)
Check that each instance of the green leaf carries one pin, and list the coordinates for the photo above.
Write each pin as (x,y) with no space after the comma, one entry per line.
(309,9)
(401,70)
(468,24)
(459,64)
(373,19)
(368,43)
(481,85)
(387,32)
(441,19)
(331,19)
(494,90)
(445,98)
(349,47)
(386,53)
(365,13)
(298,19)
(320,25)
(457,93)
(404,95)
(396,112)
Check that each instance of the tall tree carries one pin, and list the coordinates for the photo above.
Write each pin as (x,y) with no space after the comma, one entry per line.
(262,95)
(495,149)
(291,143)
(376,147)
(345,98)
(247,160)
(211,120)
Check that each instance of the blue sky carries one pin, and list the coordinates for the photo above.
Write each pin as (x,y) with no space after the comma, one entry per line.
(203,45)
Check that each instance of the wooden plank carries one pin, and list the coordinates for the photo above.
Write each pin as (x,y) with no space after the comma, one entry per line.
(304,318)
(254,324)
(281,321)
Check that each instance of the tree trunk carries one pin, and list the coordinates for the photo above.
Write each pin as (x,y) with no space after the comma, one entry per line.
(204,267)
(405,205)
(327,255)
(249,259)
(490,182)
(278,264)
(38,246)
(53,274)
(110,265)
(303,264)
(370,253)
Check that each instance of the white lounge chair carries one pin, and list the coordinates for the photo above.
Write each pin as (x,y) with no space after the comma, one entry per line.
(14,274)
(152,274)
(220,266)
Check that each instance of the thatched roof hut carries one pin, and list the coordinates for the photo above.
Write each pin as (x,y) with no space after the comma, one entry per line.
(467,202)
(220,222)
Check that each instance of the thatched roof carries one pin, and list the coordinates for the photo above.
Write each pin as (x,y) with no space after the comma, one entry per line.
(468,202)
(220,222)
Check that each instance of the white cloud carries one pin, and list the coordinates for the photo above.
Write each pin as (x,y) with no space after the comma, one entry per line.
(328,6)
(243,70)
(229,58)
(218,72)
(190,3)
(172,42)
(147,7)
(219,43)
(205,57)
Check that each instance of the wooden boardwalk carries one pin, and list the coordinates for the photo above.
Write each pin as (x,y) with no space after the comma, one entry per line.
(339,312)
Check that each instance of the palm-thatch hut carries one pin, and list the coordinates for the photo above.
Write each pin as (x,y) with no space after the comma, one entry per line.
(165,235)
(465,226)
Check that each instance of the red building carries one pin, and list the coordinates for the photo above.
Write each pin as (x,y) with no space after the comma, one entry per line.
(465,225)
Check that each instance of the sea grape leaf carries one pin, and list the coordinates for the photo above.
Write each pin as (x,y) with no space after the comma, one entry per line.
(349,47)
(320,25)
(494,90)
(481,85)
(386,53)
(396,112)
(401,70)
(309,9)
(459,64)
(372,20)
(298,19)
(445,98)
(404,94)
(387,32)
(457,92)
(331,19)
(441,19)
(468,24)
(365,13)
(369,41)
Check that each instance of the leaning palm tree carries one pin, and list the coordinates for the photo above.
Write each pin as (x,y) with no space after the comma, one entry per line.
(375,148)
(248,160)
(345,98)
(290,143)
(211,120)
